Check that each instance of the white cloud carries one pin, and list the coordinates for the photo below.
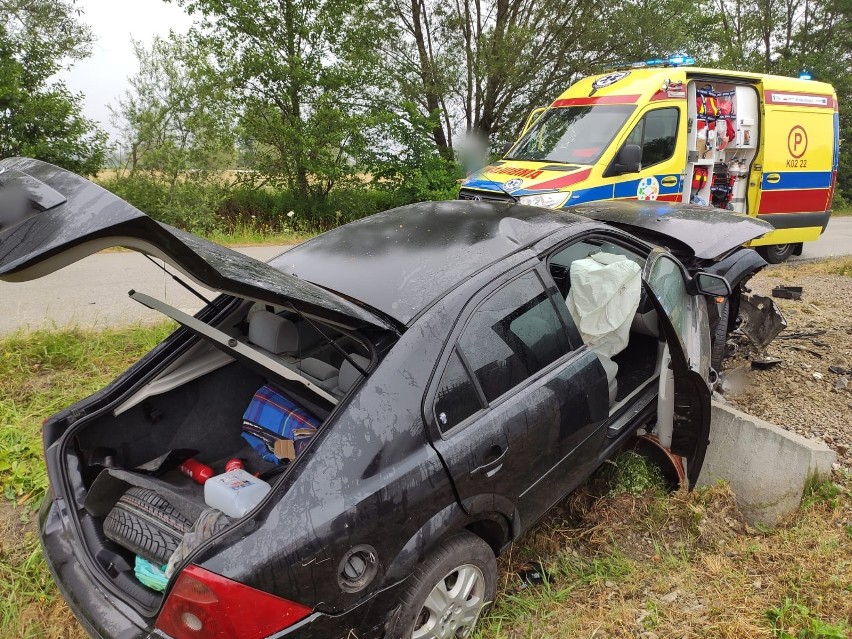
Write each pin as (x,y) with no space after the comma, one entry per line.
(102,78)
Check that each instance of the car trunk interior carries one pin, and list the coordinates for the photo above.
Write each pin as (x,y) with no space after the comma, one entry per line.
(195,408)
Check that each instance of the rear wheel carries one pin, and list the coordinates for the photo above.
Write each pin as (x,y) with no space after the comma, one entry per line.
(776,253)
(146,524)
(448,591)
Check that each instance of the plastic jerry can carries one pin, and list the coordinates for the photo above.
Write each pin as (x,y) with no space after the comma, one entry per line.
(235,492)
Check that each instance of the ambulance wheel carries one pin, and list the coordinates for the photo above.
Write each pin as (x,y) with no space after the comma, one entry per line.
(448,591)
(776,253)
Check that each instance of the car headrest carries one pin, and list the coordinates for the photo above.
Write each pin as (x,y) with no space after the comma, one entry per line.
(349,374)
(273,333)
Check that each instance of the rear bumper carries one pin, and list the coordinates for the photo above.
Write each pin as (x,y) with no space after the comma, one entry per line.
(104,616)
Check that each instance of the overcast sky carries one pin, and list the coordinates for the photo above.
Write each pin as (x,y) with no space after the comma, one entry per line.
(102,78)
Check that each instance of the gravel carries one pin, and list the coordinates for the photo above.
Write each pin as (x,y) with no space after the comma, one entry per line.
(809,391)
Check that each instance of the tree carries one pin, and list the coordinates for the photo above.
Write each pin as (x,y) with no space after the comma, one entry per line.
(303,72)
(177,115)
(39,116)
(480,66)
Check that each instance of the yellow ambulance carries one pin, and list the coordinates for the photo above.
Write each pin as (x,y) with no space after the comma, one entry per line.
(761,145)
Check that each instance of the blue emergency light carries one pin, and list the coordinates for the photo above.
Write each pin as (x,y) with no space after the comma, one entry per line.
(676,60)
(806,75)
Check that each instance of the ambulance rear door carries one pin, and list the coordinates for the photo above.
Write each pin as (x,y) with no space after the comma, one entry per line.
(797,157)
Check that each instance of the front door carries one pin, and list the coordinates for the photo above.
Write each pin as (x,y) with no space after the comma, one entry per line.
(660,133)
(683,318)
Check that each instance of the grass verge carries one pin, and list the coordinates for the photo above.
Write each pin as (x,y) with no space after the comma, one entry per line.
(40,373)
(244,235)
(826,266)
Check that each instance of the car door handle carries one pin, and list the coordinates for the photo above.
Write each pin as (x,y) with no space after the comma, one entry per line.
(491,468)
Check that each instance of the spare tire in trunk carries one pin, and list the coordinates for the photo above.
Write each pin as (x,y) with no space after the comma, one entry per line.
(146,524)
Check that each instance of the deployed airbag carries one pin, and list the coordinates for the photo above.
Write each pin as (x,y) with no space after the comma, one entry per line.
(603,299)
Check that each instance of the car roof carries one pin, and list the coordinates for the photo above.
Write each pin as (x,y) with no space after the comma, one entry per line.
(402,261)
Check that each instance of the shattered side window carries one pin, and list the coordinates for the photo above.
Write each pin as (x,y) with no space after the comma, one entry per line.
(666,281)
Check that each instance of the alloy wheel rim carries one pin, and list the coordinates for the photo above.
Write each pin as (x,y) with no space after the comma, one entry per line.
(452,607)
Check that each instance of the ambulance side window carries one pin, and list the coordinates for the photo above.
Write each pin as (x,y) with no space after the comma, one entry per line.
(656,133)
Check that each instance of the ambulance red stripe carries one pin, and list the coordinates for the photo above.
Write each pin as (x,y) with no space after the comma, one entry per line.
(604,99)
(560,182)
(795,201)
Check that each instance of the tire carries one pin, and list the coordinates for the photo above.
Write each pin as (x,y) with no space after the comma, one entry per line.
(448,591)
(776,253)
(146,524)
(720,336)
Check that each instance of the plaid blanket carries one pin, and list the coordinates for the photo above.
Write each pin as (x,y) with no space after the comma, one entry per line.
(271,415)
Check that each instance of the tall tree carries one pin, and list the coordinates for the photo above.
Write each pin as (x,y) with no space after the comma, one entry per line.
(479,66)
(303,72)
(39,116)
(177,114)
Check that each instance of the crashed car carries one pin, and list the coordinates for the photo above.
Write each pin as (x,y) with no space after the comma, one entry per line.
(467,364)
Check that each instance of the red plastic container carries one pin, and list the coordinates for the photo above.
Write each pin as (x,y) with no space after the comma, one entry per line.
(196,471)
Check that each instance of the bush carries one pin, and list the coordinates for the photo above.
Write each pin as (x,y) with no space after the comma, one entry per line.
(203,205)
(188,204)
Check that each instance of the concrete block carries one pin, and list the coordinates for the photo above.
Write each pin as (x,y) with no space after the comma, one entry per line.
(767,467)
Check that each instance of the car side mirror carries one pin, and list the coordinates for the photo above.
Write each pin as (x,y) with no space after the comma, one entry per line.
(629,159)
(710,284)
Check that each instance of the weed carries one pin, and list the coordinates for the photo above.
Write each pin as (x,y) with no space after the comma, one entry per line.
(792,620)
(821,493)
(632,474)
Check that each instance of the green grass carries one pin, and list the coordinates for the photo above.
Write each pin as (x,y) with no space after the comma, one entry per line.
(793,620)
(632,474)
(41,373)
(845,212)
(245,235)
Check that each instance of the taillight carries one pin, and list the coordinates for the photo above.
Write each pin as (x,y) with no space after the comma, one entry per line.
(204,604)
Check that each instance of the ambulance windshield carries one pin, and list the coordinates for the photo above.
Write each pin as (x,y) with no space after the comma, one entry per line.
(574,134)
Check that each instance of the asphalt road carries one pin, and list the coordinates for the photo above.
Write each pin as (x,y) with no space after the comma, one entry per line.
(93,292)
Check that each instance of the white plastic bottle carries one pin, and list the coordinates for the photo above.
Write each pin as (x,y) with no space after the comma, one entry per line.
(235,492)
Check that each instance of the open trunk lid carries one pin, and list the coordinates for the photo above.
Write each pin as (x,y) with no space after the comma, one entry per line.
(707,232)
(50,218)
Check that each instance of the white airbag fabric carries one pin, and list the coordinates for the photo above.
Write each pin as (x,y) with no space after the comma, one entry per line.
(603,299)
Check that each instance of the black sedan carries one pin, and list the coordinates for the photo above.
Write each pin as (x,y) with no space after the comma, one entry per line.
(455,368)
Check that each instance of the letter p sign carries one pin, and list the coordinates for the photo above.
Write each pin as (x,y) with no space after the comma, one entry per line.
(797,141)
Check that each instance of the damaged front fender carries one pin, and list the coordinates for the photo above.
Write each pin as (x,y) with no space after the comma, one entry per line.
(761,319)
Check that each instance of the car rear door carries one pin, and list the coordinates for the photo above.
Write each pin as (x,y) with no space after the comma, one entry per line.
(683,319)
(513,396)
